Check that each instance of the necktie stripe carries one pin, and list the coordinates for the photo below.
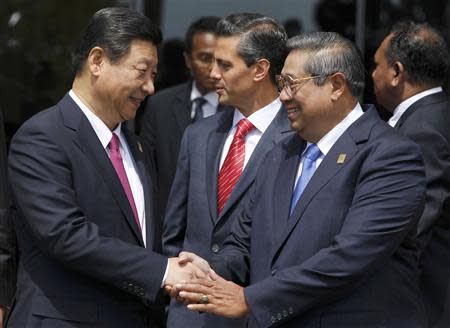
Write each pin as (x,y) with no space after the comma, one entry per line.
(233,165)
(116,160)
(310,157)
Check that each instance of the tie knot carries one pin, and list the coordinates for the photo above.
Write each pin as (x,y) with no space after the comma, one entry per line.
(312,152)
(114,143)
(199,102)
(244,126)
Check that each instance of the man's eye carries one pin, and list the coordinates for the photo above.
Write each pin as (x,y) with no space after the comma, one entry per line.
(224,66)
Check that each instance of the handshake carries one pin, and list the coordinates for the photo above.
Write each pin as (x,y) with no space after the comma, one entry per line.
(191,280)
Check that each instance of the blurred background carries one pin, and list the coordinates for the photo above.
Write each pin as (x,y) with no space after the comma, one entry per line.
(37,37)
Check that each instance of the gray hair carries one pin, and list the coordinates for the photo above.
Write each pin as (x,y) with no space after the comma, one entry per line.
(331,53)
(262,37)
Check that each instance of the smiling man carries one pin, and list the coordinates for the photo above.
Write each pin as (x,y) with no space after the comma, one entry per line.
(84,196)
(219,155)
(328,235)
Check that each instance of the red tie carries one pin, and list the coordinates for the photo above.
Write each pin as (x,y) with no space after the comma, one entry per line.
(116,159)
(234,162)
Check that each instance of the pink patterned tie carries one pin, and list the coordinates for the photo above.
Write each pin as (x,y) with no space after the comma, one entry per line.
(234,162)
(116,159)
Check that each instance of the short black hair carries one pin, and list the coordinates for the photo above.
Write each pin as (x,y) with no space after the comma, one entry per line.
(113,29)
(206,24)
(422,51)
(261,37)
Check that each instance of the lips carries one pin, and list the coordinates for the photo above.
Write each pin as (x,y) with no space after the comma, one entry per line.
(136,101)
(293,110)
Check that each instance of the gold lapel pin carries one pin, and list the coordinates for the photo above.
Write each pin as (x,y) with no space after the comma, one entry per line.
(341,158)
(139,146)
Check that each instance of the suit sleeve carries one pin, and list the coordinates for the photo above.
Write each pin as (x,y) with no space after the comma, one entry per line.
(175,220)
(436,155)
(41,178)
(387,202)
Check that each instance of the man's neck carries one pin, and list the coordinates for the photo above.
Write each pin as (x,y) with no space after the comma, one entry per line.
(260,99)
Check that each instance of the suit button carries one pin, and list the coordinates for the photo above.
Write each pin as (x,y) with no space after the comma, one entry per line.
(273,319)
(215,248)
(285,314)
(291,310)
(279,316)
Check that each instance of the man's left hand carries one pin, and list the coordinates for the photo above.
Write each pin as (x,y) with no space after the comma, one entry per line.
(224,298)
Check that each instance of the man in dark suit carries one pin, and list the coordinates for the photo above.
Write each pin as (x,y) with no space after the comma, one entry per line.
(84,196)
(328,236)
(170,111)
(205,195)
(412,63)
(7,236)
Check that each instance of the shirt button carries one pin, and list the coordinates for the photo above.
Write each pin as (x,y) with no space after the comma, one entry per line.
(215,248)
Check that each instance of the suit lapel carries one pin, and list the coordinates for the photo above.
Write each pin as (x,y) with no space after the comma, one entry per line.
(216,140)
(347,144)
(182,107)
(88,142)
(284,184)
(425,101)
(271,136)
(136,152)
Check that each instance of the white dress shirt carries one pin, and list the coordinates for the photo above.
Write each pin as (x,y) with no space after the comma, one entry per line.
(211,104)
(405,104)
(331,137)
(261,119)
(104,134)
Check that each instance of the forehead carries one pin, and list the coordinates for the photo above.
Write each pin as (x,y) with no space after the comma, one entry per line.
(203,40)
(226,48)
(294,63)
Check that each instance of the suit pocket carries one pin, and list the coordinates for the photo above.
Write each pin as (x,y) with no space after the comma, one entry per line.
(64,309)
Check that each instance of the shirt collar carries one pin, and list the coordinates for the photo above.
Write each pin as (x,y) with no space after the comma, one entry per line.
(405,104)
(102,131)
(211,97)
(335,133)
(262,118)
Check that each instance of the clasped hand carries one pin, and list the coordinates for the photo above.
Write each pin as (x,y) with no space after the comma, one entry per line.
(203,290)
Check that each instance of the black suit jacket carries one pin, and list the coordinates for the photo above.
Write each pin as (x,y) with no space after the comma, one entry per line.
(83,261)
(427,122)
(7,236)
(346,256)
(167,114)
(192,222)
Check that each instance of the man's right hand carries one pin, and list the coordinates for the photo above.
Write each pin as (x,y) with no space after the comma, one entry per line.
(179,271)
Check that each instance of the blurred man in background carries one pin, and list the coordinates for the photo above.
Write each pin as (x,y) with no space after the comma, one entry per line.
(169,112)
(411,65)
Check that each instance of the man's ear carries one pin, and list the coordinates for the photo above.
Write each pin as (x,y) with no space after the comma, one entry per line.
(262,68)
(96,58)
(338,85)
(187,60)
(398,73)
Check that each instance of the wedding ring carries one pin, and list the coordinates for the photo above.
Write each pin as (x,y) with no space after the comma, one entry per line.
(204,299)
